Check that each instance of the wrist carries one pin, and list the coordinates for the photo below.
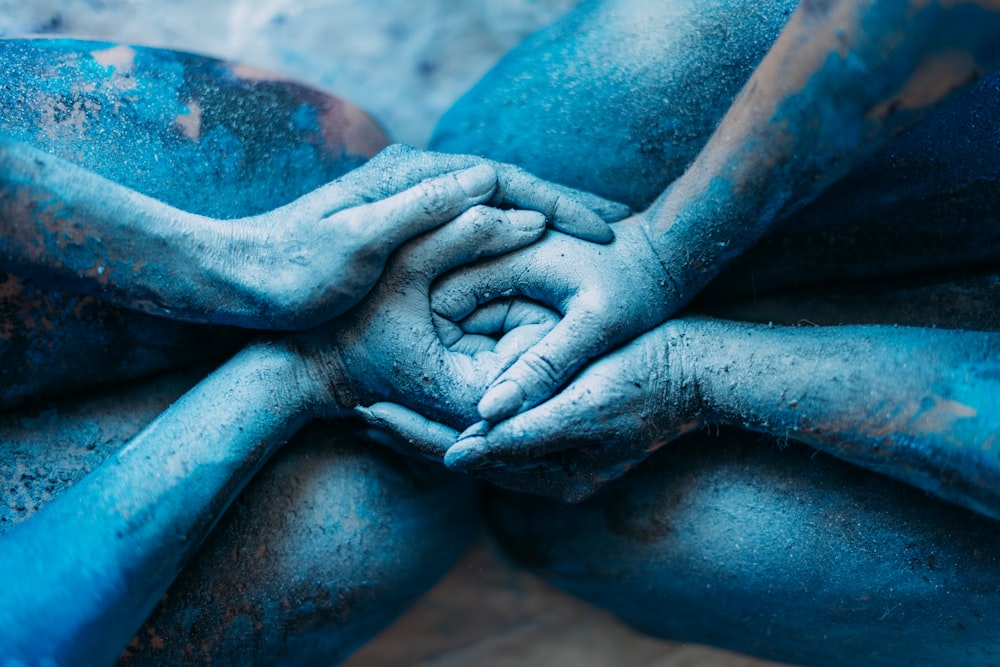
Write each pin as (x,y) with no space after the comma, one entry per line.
(283,366)
(246,265)
(680,391)
(744,373)
(324,376)
(700,365)
(660,259)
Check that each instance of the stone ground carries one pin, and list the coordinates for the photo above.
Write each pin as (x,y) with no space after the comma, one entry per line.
(405,61)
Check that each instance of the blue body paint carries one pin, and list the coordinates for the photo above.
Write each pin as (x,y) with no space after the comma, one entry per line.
(627,92)
(191,131)
(327,545)
(627,103)
(795,624)
(739,541)
(776,551)
(196,133)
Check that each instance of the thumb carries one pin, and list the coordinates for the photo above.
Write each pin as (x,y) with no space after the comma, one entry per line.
(479,232)
(544,367)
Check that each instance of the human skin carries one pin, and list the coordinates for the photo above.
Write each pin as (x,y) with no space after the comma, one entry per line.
(76,598)
(327,544)
(270,389)
(76,214)
(803,120)
(184,186)
(291,268)
(657,78)
(916,403)
(743,542)
(759,544)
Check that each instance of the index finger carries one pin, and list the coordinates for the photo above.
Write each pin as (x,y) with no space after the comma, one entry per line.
(428,204)
(563,207)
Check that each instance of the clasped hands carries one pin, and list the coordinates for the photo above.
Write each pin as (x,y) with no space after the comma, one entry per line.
(541,304)
(507,332)
(552,307)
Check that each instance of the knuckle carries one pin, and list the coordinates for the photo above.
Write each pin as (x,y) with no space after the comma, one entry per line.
(480,219)
(394,151)
(434,196)
(280,307)
(541,371)
(364,237)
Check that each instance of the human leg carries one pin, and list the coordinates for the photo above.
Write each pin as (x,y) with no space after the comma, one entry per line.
(330,542)
(902,212)
(774,550)
(620,97)
(327,545)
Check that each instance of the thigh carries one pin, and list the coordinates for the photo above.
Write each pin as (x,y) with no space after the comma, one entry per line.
(331,541)
(619,97)
(328,543)
(772,550)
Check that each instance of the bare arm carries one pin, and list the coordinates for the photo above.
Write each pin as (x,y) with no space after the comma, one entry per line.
(81,574)
(919,404)
(843,77)
(294,267)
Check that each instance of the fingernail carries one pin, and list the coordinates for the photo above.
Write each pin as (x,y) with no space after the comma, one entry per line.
(466,454)
(615,212)
(587,226)
(527,221)
(501,401)
(480,428)
(600,232)
(477,181)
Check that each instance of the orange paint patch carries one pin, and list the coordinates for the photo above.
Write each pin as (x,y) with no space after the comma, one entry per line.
(251,73)
(122,59)
(933,78)
(348,126)
(190,123)
(941,417)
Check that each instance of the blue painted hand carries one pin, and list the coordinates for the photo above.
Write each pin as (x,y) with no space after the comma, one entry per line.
(610,417)
(389,347)
(318,256)
(607,294)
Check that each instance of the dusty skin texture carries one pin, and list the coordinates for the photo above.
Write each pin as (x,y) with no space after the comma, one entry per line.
(189,127)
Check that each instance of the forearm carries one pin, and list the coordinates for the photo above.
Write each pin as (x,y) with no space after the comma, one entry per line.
(67,224)
(921,405)
(80,575)
(842,79)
